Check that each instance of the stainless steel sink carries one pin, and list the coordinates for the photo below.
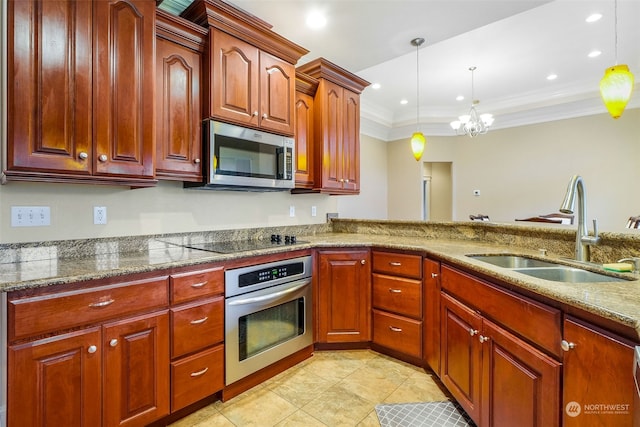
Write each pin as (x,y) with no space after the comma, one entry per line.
(513,261)
(568,275)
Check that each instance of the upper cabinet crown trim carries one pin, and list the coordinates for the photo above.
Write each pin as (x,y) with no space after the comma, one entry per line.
(321,68)
(179,30)
(245,26)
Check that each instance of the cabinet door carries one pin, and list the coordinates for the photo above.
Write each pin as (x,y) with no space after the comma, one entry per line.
(304,141)
(136,373)
(234,89)
(350,152)
(520,385)
(49,87)
(277,94)
(344,296)
(598,385)
(56,381)
(432,314)
(328,131)
(124,87)
(461,354)
(178,129)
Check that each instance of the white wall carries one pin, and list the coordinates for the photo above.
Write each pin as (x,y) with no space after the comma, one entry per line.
(524,171)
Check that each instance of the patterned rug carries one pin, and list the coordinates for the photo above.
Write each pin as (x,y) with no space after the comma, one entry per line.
(427,414)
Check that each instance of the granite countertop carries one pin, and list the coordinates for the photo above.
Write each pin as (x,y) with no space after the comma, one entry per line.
(616,301)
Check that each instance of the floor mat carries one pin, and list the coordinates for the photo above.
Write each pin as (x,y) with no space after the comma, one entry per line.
(427,414)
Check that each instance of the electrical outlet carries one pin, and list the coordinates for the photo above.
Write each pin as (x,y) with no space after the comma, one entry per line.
(30,216)
(99,215)
(292,211)
(314,211)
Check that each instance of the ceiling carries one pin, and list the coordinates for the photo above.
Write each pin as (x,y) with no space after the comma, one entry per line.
(515,45)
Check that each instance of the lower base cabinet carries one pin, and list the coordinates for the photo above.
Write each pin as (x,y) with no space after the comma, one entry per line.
(497,378)
(598,384)
(120,369)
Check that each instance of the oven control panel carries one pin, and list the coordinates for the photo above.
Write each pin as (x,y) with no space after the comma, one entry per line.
(268,274)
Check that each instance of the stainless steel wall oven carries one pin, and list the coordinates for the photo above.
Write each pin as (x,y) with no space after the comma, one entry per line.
(268,314)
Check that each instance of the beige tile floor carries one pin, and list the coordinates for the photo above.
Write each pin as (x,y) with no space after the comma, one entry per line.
(332,388)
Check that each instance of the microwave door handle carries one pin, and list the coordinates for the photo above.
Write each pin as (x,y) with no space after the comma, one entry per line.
(270,296)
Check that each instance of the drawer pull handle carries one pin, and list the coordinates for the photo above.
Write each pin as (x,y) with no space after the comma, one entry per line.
(102,303)
(395,329)
(198,285)
(197,374)
(199,321)
(473,332)
(395,263)
(395,291)
(92,349)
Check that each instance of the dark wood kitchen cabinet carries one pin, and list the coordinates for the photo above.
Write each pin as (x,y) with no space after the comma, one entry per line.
(89,356)
(250,69)
(306,87)
(597,372)
(497,377)
(336,127)
(397,303)
(431,328)
(344,296)
(180,47)
(81,91)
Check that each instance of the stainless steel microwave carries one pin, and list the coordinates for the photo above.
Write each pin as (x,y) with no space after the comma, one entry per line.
(246,159)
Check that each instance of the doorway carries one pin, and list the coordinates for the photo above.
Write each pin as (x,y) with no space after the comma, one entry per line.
(437,191)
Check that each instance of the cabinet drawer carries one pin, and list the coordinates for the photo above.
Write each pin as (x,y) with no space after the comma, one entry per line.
(197,326)
(397,333)
(192,285)
(48,313)
(398,264)
(398,295)
(532,320)
(196,377)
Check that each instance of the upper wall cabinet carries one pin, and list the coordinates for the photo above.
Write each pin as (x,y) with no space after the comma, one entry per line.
(336,127)
(81,91)
(251,69)
(180,46)
(306,87)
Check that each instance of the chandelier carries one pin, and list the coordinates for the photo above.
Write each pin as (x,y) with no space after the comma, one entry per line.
(418,141)
(472,124)
(617,83)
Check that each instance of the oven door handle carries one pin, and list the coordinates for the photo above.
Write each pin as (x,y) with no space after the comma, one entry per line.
(270,296)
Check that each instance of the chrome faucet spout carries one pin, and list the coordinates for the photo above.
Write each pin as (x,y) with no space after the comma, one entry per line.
(583,239)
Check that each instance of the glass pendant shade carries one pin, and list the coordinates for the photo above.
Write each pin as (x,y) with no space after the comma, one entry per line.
(615,89)
(418,142)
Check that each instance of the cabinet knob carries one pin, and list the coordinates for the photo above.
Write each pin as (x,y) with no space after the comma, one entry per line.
(482,338)
(113,342)
(566,345)
(103,158)
(473,332)
(264,116)
(196,161)
(363,262)
(255,113)
(434,275)
(83,155)
(92,349)
(346,180)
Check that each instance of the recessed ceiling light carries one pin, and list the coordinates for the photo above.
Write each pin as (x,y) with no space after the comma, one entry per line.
(593,17)
(375,86)
(404,102)
(316,20)
(459,98)
(552,76)
(594,54)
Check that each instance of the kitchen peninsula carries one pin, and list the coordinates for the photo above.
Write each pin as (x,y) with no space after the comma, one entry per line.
(609,309)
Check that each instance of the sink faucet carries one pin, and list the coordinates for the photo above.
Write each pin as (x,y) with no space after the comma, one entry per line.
(583,239)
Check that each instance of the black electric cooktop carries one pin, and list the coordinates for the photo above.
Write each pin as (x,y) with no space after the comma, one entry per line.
(233,246)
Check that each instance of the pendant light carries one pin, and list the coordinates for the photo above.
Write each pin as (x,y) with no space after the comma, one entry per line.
(418,141)
(617,84)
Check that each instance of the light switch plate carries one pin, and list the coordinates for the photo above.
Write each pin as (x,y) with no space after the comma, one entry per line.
(30,216)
